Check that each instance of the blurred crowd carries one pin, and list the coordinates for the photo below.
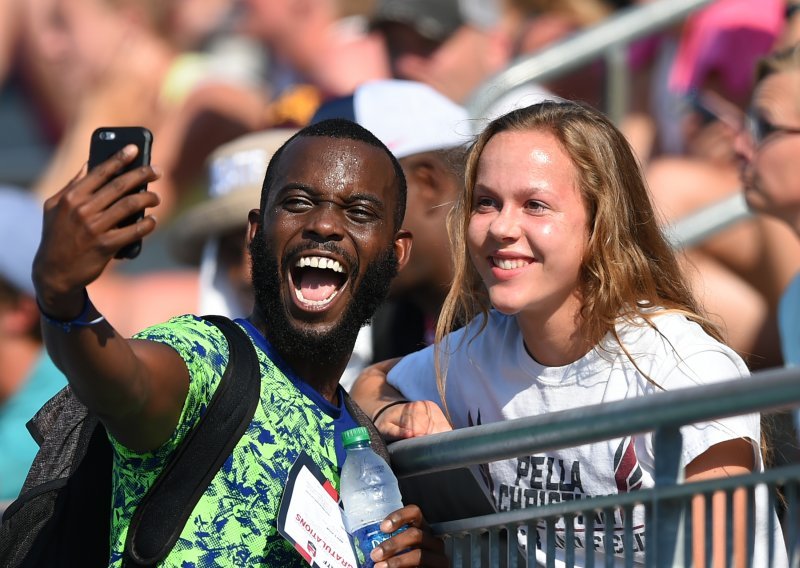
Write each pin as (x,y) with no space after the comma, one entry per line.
(222,83)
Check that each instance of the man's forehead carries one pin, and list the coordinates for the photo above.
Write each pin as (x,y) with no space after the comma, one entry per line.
(305,145)
(328,160)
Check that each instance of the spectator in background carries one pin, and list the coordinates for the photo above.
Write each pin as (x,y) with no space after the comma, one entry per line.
(791,30)
(427,133)
(28,378)
(441,43)
(324,45)
(740,270)
(115,63)
(768,150)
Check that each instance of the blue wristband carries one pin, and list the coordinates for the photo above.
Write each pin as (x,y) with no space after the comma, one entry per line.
(66,326)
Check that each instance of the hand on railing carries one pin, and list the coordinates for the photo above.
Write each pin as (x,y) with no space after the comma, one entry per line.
(411,419)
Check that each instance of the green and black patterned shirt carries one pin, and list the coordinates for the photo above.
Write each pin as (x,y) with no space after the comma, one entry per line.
(234,523)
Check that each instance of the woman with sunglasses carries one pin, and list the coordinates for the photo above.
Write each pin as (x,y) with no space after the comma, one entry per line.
(768,149)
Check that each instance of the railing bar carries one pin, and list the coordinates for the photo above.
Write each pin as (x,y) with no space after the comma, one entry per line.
(492,541)
(512,554)
(617,80)
(620,29)
(608,535)
(771,520)
(530,543)
(475,549)
(751,522)
(793,523)
(569,541)
(627,536)
(708,522)
(588,543)
(688,549)
(645,495)
(771,389)
(729,522)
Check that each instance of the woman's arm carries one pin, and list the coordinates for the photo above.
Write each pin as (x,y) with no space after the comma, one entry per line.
(726,459)
(394,416)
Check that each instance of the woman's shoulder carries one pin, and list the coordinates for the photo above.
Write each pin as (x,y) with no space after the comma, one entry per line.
(670,333)
(666,336)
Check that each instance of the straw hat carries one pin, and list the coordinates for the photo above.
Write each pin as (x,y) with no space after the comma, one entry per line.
(235,173)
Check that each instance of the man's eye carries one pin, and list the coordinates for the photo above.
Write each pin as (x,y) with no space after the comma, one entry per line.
(360,213)
(297,203)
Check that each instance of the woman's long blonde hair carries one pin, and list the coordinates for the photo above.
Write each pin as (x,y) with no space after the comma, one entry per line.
(629,267)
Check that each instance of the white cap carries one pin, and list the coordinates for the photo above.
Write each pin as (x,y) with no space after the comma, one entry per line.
(408,116)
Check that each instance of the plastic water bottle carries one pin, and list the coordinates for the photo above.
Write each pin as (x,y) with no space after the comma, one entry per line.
(369,493)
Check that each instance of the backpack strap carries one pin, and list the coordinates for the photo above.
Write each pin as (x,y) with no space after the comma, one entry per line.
(165,508)
(375,438)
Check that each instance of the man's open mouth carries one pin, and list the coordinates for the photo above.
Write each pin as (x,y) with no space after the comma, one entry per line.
(317,280)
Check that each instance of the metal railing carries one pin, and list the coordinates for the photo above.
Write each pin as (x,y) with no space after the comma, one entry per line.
(607,40)
(705,222)
(492,540)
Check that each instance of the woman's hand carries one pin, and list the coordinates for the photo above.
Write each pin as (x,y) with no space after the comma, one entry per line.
(410,419)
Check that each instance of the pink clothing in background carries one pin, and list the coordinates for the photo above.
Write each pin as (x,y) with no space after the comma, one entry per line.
(725,40)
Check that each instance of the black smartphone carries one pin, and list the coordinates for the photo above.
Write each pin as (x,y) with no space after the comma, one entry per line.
(107,141)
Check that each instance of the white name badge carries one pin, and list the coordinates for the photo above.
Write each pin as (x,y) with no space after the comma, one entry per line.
(310,518)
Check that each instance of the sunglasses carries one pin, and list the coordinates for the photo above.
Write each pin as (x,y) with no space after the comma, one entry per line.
(760,128)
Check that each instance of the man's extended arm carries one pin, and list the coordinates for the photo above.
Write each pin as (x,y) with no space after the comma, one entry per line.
(136,387)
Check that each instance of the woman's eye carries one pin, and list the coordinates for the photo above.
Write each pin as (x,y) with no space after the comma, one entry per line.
(484,203)
(535,205)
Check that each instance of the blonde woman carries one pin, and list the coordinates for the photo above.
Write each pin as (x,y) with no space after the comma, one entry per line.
(571,297)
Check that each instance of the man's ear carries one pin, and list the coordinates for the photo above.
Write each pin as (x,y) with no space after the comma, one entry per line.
(253,223)
(433,181)
(403,239)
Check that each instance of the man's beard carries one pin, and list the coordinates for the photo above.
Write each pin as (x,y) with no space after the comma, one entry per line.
(336,344)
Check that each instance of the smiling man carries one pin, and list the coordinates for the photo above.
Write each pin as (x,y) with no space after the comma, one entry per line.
(325,244)
(323,260)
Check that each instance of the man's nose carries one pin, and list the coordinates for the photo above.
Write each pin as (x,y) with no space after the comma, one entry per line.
(325,223)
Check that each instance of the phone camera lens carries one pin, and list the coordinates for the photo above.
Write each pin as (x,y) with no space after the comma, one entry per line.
(106,135)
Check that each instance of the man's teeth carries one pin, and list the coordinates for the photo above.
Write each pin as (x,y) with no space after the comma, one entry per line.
(299,293)
(320,262)
(508,264)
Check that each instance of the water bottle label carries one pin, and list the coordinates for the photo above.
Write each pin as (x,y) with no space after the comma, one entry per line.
(368,537)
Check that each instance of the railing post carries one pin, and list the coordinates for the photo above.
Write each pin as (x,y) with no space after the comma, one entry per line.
(665,533)
(617,93)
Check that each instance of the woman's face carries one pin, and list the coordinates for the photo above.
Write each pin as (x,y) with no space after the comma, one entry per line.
(528,231)
(770,172)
